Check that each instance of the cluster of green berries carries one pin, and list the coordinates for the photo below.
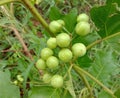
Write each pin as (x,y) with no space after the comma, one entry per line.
(83,27)
(66,51)
(19,80)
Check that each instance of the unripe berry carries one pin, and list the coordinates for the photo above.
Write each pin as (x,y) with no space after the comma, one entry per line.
(15,82)
(79,49)
(20,78)
(40,64)
(65,55)
(51,43)
(61,22)
(45,53)
(82,17)
(52,62)
(57,81)
(55,27)
(82,28)
(63,40)
(47,78)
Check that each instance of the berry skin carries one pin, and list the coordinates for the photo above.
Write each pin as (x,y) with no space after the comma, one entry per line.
(47,78)
(61,22)
(20,78)
(82,28)
(65,55)
(57,81)
(40,64)
(83,17)
(15,82)
(55,26)
(79,49)
(63,40)
(45,53)
(51,43)
(52,62)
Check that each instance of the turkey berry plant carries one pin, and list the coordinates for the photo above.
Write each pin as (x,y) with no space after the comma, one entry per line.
(65,53)
(68,60)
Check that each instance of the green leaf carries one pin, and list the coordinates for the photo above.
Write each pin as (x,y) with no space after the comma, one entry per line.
(3,63)
(114,43)
(106,18)
(48,92)
(7,89)
(70,88)
(84,61)
(117,93)
(70,20)
(103,94)
(113,1)
(104,65)
(86,39)
(55,14)
(66,95)
(43,92)
(113,24)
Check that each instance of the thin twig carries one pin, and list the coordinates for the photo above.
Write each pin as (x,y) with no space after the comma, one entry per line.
(33,10)
(86,83)
(80,70)
(2,2)
(22,42)
(100,40)
(12,27)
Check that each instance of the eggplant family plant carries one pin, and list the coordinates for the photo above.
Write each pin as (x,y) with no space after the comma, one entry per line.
(80,56)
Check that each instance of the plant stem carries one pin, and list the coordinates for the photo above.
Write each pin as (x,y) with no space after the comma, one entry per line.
(34,11)
(66,30)
(100,40)
(80,70)
(22,42)
(71,83)
(86,83)
(7,1)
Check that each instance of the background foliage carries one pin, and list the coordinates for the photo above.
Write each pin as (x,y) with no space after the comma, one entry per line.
(103,43)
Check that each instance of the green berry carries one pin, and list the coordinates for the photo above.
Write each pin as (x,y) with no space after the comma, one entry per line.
(63,40)
(45,53)
(55,27)
(52,62)
(79,49)
(20,78)
(40,64)
(61,22)
(15,82)
(83,17)
(65,55)
(57,81)
(82,28)
(47,78)
(51,43)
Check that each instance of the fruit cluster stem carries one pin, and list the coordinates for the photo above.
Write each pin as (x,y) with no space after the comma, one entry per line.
(34,11)
(2,2)
(100,40)
(80,70)
(86,83)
